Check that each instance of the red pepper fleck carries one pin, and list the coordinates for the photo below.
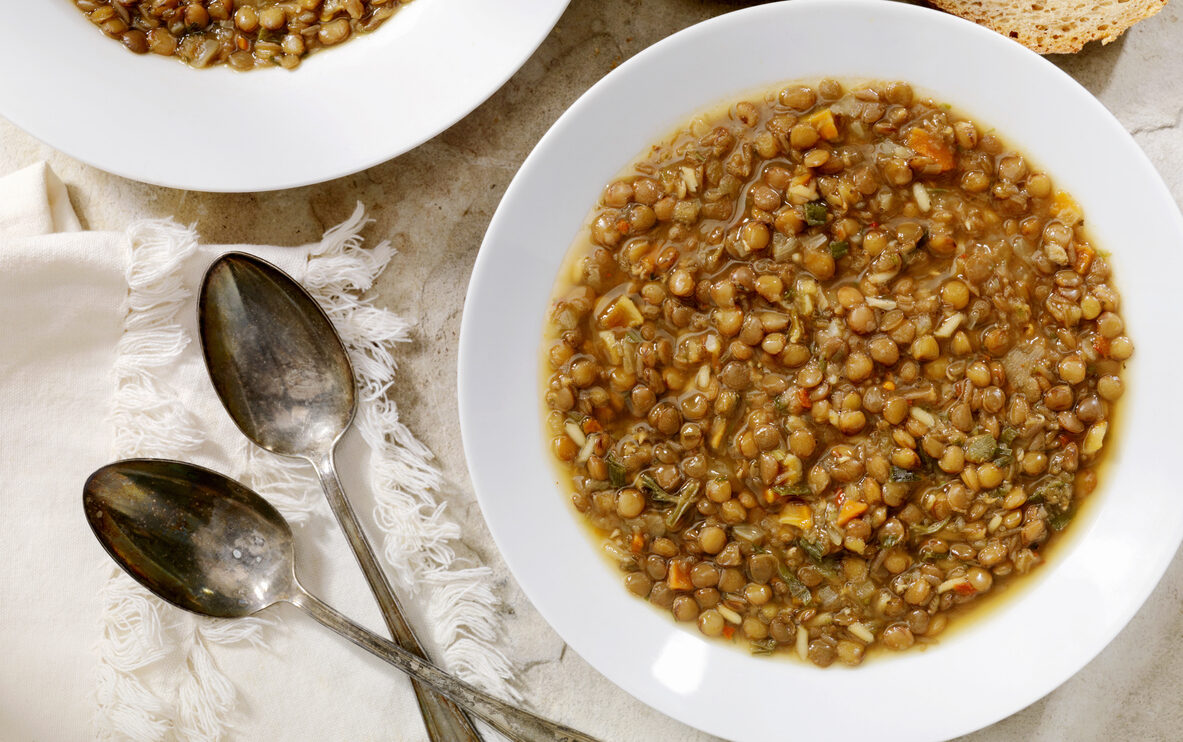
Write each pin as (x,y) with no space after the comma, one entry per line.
(964,588)
(1101,345)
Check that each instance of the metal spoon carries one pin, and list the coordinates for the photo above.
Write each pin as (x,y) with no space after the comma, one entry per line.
(208,544)
(282,373)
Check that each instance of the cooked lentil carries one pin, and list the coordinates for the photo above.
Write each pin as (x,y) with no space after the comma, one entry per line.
(840,363)
(243,34)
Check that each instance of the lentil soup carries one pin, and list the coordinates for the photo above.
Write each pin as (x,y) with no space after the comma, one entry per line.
(829,367)
(243,34)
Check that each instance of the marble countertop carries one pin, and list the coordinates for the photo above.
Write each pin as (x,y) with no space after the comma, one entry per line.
(434,204)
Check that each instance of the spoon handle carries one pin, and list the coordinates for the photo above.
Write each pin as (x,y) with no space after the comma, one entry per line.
(444,721)
(515,723)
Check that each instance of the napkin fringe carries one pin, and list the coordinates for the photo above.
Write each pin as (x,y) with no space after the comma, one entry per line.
(419,536)
(140,633)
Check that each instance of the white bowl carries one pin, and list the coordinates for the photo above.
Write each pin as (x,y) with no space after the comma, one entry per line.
(1035,638)
(342,110)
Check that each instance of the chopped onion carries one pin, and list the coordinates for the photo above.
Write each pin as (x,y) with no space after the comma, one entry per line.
(861,632)
(923,202)
(878,303)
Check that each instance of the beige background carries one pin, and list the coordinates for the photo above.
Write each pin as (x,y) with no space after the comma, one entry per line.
(434,204)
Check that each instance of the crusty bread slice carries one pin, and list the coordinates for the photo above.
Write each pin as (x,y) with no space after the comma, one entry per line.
(1054,26)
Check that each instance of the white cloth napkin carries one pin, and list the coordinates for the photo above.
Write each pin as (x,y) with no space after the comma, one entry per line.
(98,360)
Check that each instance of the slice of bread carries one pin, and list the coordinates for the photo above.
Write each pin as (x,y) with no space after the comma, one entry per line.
(1054,26)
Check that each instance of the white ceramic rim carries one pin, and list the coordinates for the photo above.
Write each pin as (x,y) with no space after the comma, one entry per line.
(155,120)
(1031,642)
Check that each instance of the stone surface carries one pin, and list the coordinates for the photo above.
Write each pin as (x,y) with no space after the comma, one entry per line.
(434,204)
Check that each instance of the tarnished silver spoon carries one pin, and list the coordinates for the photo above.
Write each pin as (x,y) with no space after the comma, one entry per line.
(212,546)
(282,373)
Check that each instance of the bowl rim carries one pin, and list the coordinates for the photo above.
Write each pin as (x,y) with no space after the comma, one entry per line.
(223,131)
(473,366)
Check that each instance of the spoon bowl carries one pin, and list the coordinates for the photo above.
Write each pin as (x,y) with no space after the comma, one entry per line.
(199,540)
(274,358)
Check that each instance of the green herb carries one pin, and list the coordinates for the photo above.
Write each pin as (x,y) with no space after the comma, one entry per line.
(634,335)
(1056,493)
(946,106)
(902,475)
(918,530)
(792,490)
(788,295)
(928,462)
(816,213)
(890,541)
(615,471)
(1008,435)
(1059,518)
(1003,456)
(780,403)
(762,646)
(839,248)
(686,497)
(814,551)
(796,587)
(647,483)
(980,448)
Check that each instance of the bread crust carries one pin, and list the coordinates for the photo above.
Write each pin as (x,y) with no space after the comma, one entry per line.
(1054,26)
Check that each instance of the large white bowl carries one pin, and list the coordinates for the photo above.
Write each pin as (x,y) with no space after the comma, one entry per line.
(1035,639)
(154,119)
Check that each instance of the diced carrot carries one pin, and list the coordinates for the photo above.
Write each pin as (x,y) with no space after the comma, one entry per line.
(824,122)
(728,631)
(797,514)
(1084,259)
(769,495)
(964,588)
(592,425)
(638,542)
(622,226)
(1101,345)
(1065,208)
(849,510)
(679,577)
(889,385)
(803,398)
(923,143)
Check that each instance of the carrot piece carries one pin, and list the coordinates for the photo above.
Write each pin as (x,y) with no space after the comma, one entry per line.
(1101,345)
(889,385)
(824,122)
(638,543)
(679,577)
(728,632)
(923,143)
(803,398)
(592,425)
(1065,208)
(796,514)
(964,588)
(1084,259)
(850,510)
